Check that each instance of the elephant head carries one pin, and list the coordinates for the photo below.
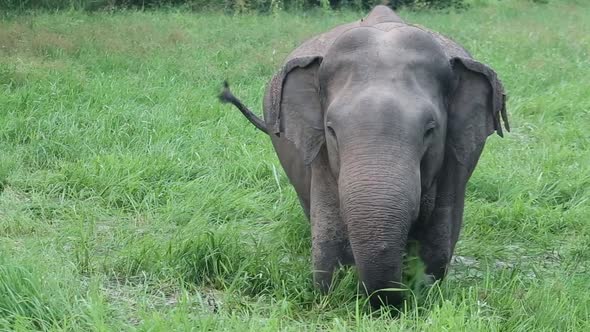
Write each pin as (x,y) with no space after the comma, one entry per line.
(398,119)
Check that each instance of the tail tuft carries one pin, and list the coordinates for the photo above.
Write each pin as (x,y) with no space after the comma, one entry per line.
(226,96)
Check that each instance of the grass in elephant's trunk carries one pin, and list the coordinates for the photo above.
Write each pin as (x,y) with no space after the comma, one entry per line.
(413,273)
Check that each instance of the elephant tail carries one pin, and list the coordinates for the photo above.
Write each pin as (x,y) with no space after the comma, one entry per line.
(227,97)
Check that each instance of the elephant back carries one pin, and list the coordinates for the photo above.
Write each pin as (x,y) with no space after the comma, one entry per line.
(318,45)
(451,48)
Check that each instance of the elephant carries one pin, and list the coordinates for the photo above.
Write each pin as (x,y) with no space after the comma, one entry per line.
(378,125)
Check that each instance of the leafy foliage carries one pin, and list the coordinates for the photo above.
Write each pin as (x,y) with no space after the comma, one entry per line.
(230,5)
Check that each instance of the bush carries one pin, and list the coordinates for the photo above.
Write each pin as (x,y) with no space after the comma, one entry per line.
(230,5)
(43,4)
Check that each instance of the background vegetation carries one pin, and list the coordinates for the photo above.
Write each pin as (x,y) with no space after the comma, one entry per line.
(228,5)
(130,199)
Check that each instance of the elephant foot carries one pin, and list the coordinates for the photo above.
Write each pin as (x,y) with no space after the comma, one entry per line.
(327,258)
(387,298)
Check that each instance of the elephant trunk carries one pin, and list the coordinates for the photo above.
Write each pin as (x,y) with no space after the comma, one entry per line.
(379,197)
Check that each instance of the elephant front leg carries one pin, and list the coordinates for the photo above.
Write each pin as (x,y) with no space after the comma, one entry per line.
(327,257)
(442,230)
(330,245)
(435,245)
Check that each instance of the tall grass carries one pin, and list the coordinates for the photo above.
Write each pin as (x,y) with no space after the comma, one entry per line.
(131,199)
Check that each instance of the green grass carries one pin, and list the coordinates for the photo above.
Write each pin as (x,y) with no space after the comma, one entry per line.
(131,199)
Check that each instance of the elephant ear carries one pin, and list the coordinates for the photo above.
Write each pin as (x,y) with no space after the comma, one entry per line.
(295,111)
(475,108)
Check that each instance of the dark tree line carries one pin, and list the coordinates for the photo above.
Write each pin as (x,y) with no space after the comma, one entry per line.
(228,5)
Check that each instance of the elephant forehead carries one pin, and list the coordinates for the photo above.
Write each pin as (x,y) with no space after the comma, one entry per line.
(376,50)
(408,59)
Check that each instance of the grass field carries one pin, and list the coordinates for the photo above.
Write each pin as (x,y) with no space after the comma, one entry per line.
(131,199)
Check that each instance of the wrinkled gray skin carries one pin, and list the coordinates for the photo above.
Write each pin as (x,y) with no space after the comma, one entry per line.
(379,125)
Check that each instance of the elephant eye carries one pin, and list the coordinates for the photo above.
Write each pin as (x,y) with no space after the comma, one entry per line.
(429,130)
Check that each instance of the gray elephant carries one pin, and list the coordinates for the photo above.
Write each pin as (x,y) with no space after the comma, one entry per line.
(378,125)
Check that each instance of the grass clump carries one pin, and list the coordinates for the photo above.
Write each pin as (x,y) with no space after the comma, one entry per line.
(23,300)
